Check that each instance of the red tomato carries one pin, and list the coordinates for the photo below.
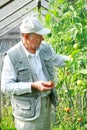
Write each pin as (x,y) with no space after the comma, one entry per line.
(49,84)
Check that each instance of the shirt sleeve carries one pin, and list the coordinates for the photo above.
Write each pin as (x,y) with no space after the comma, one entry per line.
(9,84)
(58,60)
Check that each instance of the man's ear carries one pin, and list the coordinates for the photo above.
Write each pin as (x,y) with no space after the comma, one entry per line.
(26,36)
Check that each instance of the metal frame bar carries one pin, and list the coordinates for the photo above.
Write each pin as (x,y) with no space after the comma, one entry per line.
(12,21)
(5,3)
(17,21)
(16,10)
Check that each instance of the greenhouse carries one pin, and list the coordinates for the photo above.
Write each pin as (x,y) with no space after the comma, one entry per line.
(67,20)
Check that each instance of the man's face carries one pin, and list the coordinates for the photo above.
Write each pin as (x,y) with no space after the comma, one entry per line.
(35,40)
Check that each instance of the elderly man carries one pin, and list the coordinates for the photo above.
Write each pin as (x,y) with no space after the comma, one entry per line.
(27,69)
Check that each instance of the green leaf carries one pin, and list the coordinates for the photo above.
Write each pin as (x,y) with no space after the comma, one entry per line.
(83,71)
(75,33)
(75,52)
(71,8)
(85,125)
(48,18)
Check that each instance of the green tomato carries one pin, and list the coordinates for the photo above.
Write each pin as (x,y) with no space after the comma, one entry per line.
(79,82)
(75,46)
(71,57)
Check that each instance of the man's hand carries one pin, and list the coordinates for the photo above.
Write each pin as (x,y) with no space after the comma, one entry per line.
(42,85)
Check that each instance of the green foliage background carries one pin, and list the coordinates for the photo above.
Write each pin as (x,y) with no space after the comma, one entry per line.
(68,23)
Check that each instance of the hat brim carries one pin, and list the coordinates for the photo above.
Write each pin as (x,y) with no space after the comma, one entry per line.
(43,31)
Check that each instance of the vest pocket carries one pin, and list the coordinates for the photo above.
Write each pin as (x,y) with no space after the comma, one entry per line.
(24,75)
(28,107)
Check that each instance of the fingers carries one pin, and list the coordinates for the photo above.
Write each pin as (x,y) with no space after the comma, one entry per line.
(47,88)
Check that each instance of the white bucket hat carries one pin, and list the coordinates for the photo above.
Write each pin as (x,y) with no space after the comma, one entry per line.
(33,25)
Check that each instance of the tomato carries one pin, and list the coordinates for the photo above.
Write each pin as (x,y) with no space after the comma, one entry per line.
(67,109)
(71,57)
(79,119)
(50,83)
(75,46)
(79,82)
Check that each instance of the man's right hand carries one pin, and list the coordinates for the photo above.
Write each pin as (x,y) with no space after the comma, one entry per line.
(42,85)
